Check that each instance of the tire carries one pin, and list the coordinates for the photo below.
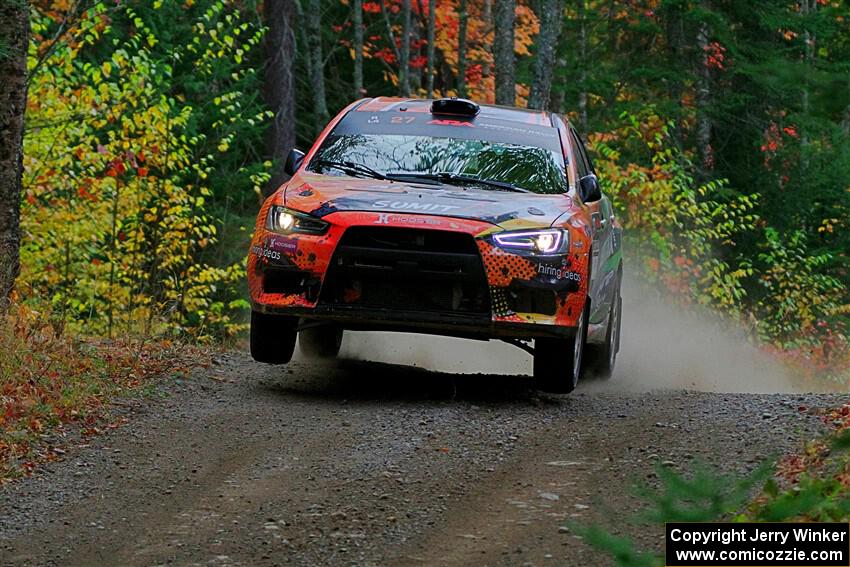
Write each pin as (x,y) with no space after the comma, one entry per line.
(558,362)
(320,342)
(602,358)
(273,337)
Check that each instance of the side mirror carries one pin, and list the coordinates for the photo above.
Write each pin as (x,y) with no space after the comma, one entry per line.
(293,161)
(588,189)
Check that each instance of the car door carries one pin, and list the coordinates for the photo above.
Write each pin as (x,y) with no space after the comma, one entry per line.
(610,247)
(600,213)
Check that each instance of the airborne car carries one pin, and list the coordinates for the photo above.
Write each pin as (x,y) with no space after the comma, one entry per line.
(441,217)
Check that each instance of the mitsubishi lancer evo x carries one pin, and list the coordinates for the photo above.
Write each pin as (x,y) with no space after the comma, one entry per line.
(443,217)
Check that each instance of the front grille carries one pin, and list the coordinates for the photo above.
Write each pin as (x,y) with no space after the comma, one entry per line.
(407,269)
(288,281)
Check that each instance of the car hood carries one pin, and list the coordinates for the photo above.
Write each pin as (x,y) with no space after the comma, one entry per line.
(321,195)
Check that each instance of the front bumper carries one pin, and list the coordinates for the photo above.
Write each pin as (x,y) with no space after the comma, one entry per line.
(432,323)
(452,279)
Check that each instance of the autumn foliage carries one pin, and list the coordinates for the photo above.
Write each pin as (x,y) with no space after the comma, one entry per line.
(685,237)
(117,181)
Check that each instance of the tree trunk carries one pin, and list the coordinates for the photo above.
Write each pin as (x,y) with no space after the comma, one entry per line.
(390,34)
(317,63)
(404,60)
(487,18)
(14,37)
(503,51)
(556,99)
(279,84)
(551,15)
(703,87)
(582,73)
(432,24)
(461,48)
(675,87)
(357,21)
(806,8)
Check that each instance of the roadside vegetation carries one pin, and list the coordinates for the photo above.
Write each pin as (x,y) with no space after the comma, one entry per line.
(810,486)
(55,386)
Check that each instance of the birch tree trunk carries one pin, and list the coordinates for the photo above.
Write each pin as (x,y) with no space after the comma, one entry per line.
(317,63)
(503,51)
(357,22)
(432,24)
(551,15)
(487,18)
(404,60)
(461,48)
(14,37)
(279,83)
(582,72)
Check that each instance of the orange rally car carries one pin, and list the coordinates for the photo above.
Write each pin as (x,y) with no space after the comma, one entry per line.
(441,217)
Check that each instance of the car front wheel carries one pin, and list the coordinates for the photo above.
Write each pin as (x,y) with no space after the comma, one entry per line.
(272,337)
(557,361)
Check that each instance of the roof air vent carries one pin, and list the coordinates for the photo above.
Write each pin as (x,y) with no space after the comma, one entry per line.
(455,106)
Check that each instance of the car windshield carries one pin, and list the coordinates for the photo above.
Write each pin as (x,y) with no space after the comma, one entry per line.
(534,169)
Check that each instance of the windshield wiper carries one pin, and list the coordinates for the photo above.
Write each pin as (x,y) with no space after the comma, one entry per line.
(458,179)
(352,168)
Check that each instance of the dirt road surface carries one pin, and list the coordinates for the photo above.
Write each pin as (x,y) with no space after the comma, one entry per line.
(379,463)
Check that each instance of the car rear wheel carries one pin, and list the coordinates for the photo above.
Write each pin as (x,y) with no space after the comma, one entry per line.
(604,356)
(557,362)
(320,342)
(272,337)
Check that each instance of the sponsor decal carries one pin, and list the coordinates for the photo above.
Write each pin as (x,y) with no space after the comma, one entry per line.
(561,273)
(387,218)
(282,244)
(417,207)
(374,119)
(446,122)
(265,253)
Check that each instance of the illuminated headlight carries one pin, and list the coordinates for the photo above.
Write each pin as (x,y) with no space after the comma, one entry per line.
(285,221)
(545,241)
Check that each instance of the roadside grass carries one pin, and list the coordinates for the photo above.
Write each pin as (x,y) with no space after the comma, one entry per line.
(810,486)
(52,384)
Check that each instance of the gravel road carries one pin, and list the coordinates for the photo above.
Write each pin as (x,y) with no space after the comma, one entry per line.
(365,463)
(409,450)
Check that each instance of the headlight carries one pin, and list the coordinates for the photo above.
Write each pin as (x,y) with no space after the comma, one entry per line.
(544,241)
(285,221)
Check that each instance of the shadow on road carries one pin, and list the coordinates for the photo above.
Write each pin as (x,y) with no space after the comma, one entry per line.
(347,379)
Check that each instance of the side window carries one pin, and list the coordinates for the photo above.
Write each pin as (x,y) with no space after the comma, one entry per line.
(582,164)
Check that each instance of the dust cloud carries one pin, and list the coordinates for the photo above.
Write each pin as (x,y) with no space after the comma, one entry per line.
(662,347)
(666,347)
